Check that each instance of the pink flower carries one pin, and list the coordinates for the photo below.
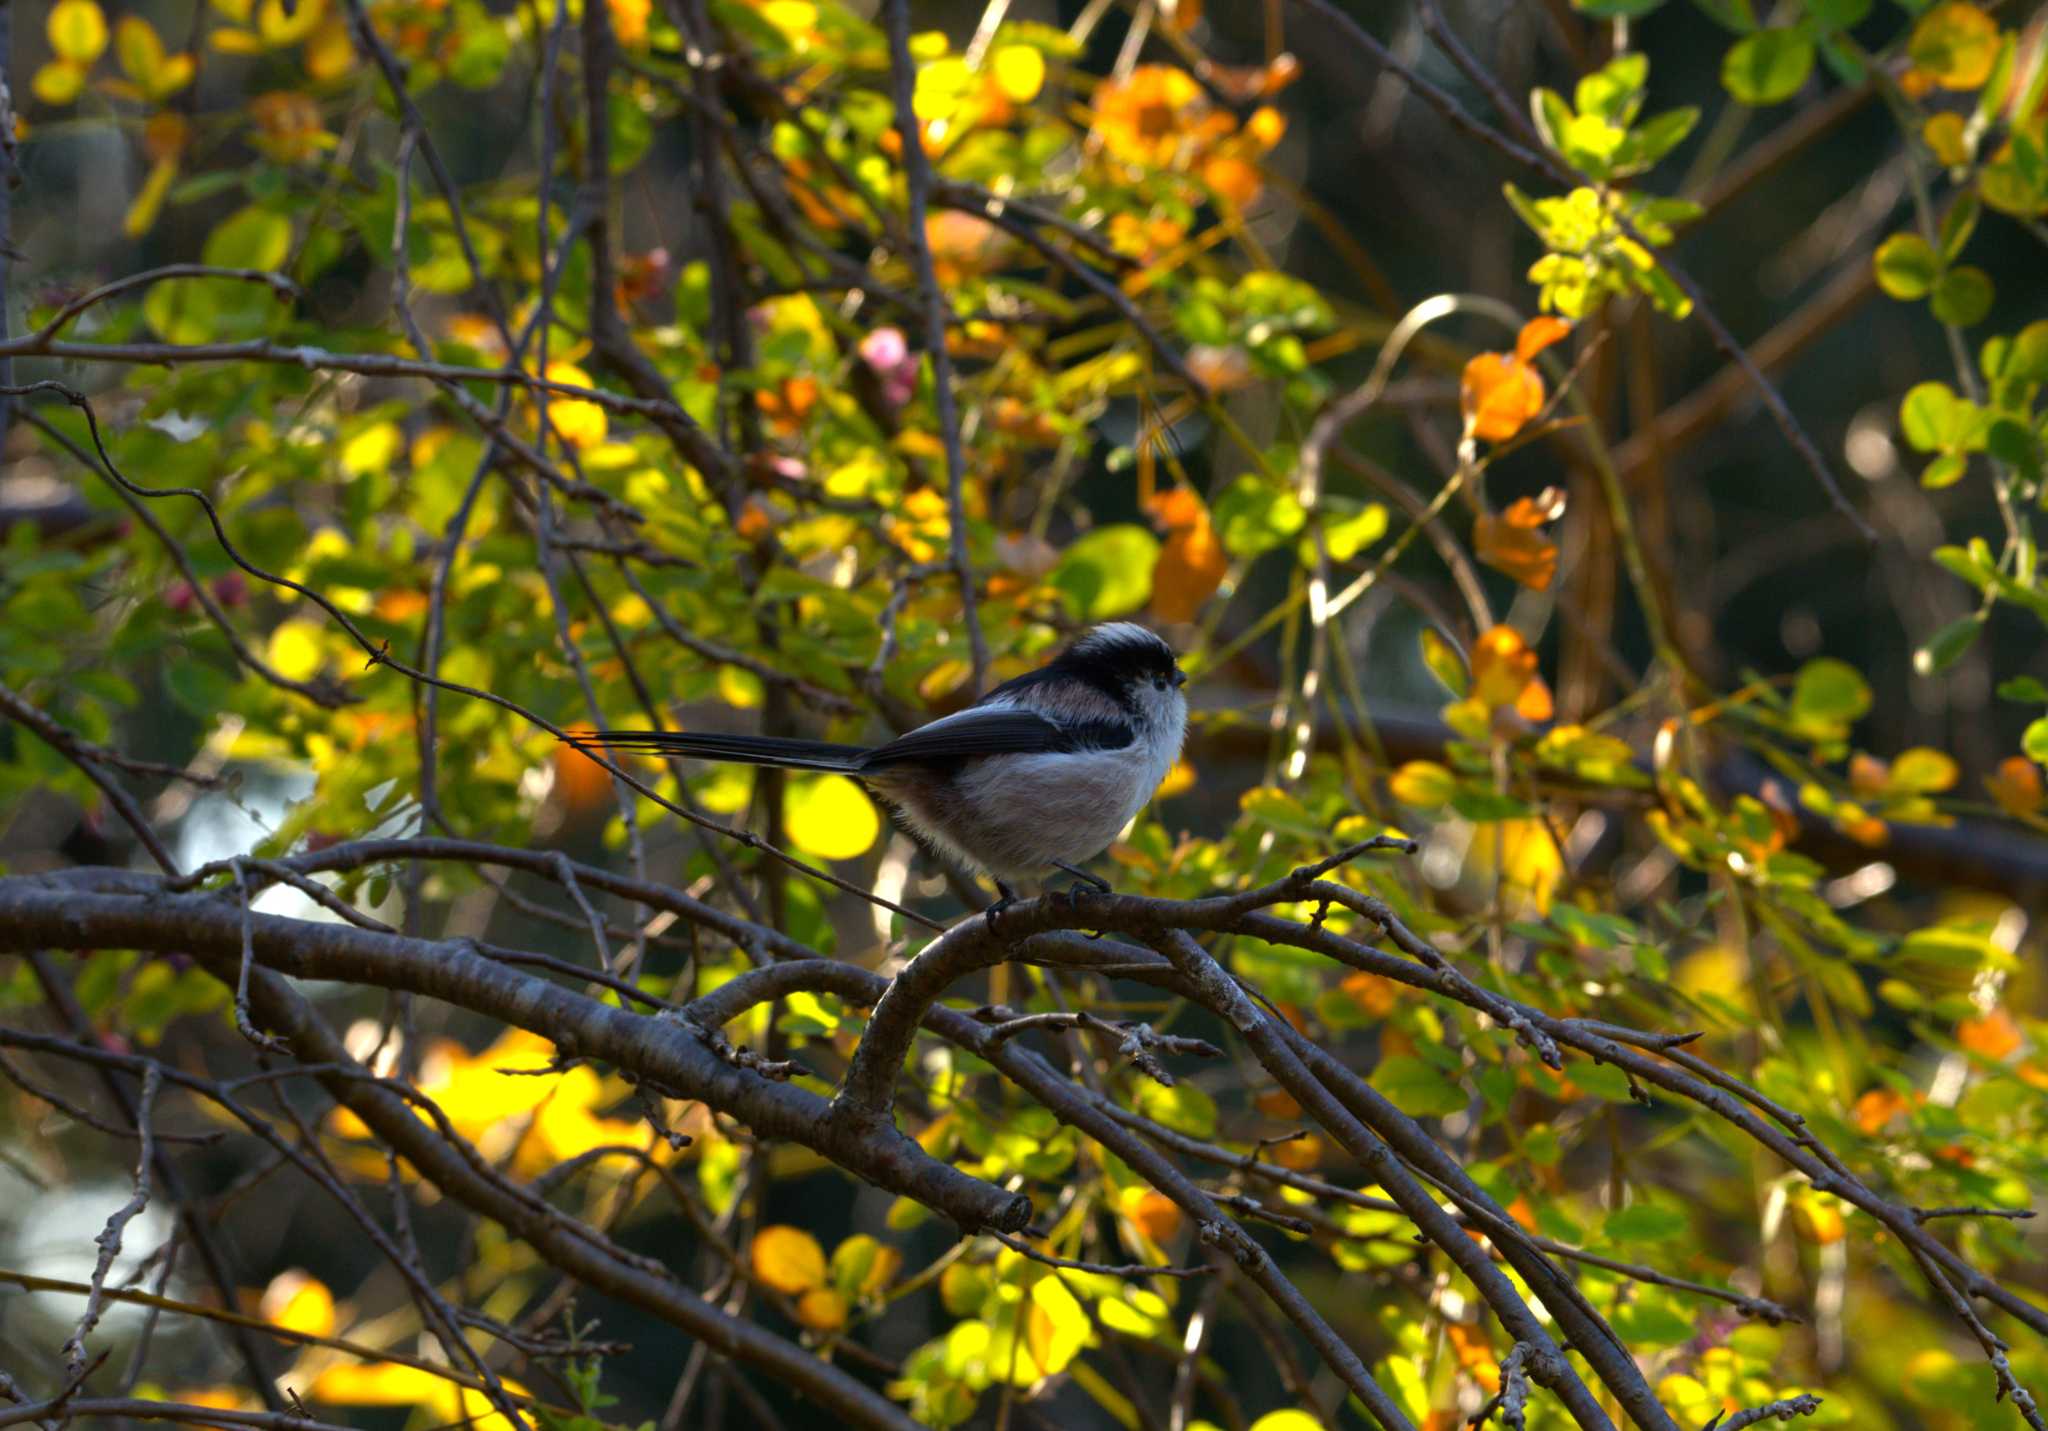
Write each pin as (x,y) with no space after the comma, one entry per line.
(886,352)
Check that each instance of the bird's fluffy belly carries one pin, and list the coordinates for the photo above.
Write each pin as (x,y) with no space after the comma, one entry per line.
(1013,815)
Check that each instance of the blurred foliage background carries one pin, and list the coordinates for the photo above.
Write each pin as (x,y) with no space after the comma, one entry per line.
(1263,358)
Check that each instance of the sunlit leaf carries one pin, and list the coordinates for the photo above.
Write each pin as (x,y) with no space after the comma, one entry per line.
(1499,394)
(787,1259)
(829,816)
(77,30)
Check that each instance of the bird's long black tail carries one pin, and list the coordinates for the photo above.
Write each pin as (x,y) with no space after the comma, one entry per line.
(744,749)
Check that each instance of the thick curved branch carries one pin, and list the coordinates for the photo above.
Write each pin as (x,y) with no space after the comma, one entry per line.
(38,912)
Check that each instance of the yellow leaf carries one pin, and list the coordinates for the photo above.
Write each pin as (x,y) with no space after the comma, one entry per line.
(295,650)
(1818,1218)
(279,27)
(1530,863)
(580,423)
(1055,1326)
(236,10)
(828,816)
(1423,784)
(1923,770)
(235,42)
(629,21)
(1944,135)
(299,1302)
(138,49)
(788,1259)
(58,82)
(1019,72)
(1954,45)
(380,1385)
(330,53)
(1180,778)
(1288,1420)
(372,449)
(821,1309)
(77,30)
(173,75)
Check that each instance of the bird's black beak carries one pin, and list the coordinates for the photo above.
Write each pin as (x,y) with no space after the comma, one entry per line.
(1180,678)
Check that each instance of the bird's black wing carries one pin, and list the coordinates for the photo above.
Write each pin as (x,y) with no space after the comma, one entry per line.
(995,730)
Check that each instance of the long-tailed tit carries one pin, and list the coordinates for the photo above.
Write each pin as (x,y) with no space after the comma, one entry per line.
(1041,773)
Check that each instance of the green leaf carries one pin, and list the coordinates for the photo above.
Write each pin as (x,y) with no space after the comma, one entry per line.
(1445,663)
(1946,646)
(1828,692)
(2015,444)
(2023,357)
(1933,419)
(1944,471)
(1421,1090)
(200,688)
(1736,15)
(1182,1107)
(1959,225)
(1253,516)
(1344,537)
(2023,688)
(1654,138)
(252,238)
(1838,14)
(1552,115)
(1652,1323)
(1615,9)
(2034,740)
(1645,1222)
(1615,90)
(1907,266)
(1768,67)
(1963,296)
(1108,572)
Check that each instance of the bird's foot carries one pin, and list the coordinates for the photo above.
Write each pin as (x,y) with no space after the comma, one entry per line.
(1084,884)
(1005,897)
(1082,877)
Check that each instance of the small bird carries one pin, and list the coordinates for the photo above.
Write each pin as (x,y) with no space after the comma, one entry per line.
(1041,773)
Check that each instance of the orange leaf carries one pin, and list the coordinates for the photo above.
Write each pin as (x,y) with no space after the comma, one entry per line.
(788,1259)
(1538,334)
(1878,1107)
(1278,1103)
(1156,1215)
(1867,774)
(2017,786)
(1513,542)
(1191,562)
(1504,674)
(1994,1035)
(822,1310)
(1300,1155)
(1371,992)
(1499,393)
(583,784)
(1219,369)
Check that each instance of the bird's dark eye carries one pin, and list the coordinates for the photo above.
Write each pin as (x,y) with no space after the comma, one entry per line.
(1159,683)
